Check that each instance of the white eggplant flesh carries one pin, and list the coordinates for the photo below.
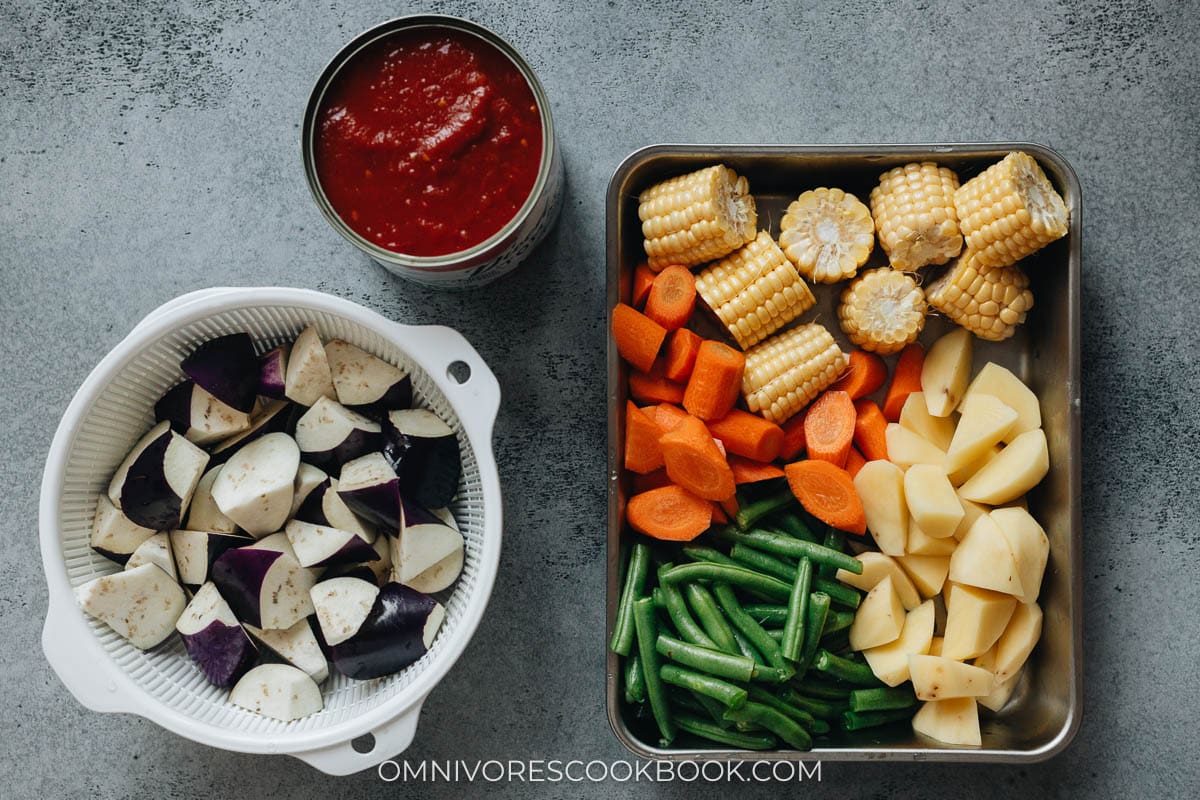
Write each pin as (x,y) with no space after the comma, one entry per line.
(255,487)
(400,628)
(308,378)
(154,484)
(367,383)
(196,551)
(439,577)
(214,638)
(265,588)
(329,434)
(278,691)
(324,546)
(114,535)
(141,604)
(297,646)
(369,486)
(272,418)
(308,478)
(325,506)
(342,604)
(157,551)
(203,513)
(421,547)
(198,415)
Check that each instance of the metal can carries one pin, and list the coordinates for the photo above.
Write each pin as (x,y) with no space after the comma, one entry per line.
(500,253)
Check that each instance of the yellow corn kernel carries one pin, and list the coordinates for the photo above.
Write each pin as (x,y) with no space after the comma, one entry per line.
(827,234)
(754,291)
(1010,211)
(914,213)
(696,217)
(882,310)
(786,372)
(990,302)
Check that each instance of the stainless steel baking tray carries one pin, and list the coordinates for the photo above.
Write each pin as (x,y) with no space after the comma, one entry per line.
(1045,712)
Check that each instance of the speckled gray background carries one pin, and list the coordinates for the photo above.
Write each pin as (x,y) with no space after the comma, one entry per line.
(152,149)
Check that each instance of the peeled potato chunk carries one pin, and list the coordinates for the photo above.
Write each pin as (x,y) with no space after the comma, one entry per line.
(946,371)
(1017,469)
(906,448)
(880,486)
(922,544)
(1018,640)
(940,678)
(984,422)
(928,573)
(984,559)
(915,416)
(953,722)
(876,567)
(889,662)
(879,619)
(932,501)
(999,382)
(1029,545)
(975,619)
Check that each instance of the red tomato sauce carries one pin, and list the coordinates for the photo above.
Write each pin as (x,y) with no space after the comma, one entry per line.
(428,142)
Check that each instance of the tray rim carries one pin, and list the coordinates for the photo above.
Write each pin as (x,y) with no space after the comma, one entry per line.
(1065,172)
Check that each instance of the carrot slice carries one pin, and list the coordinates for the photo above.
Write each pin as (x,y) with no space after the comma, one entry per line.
(643,279)
(854,462)
(652,387)
(694,461)
(866,373)
(829,428)
(671,513)
(642,453)
(651,480)
(748,435)
(746,470)
(672,297)
(730,506)
(682,347)
(638,337)
(793,438)
(827,492)
(719,517)
(668,416)
(905,380)
(716,381)
(870,431)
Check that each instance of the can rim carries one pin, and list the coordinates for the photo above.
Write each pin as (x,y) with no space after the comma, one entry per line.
(351,49)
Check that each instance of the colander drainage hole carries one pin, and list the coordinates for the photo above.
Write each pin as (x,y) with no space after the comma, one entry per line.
(363,744)
(459,372)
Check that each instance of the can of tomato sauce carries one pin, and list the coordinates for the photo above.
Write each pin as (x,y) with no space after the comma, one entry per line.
(428,143)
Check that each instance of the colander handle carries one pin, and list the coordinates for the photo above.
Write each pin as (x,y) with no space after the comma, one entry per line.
(391,740)
(477,398)
(92,680)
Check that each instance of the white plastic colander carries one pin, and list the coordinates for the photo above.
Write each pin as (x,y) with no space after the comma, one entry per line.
(114,407)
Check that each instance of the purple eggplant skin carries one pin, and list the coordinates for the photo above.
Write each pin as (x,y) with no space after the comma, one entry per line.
(223,652)
(390,638)
(379,503)
(413,513)
(354,551)
(228,368)
(239,576)
(429,469)
(272,367)
(398,395)
(312,510)
(275,421)
(146,497)
(176,407)
(359,570)
(357,443)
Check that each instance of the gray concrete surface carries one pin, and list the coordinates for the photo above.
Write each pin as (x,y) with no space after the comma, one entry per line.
(150,148)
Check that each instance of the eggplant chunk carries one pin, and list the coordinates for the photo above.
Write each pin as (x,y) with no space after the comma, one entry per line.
(324,506)
(154,483)
(157,551)
(141,604)
(276,542)
(203,513)
(255,487)
(278,691)
(322,546)
(370,487)
(265,588)
(428,554)
(308,378)
(214,638)
(297,646)
(329,434)
(200,416)
(366,383)
(274,417)
(114,535)
(272,372)
(424,452)
(438,577)
(228,368)
(399,629)
(196,551)
(308,478)
(342,604)
(446,516)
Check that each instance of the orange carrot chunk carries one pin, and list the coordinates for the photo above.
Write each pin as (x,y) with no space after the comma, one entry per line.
(854,462)
(793,438)
(747,470)
(670,513)
(716,381)
(719,517)
(866,373)
(668,416)
(643,279)
(672,297)
(682,347)
(638,337)
(748,435)
(829,428)
(651,480)
(870,431)
(827,492)
(694,461)
(642,453)
(730,506)
(652,387)
(905,380)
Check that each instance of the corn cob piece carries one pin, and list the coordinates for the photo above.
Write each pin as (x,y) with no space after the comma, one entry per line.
(696,217)
(827,234)
(990,302)
(913,207)
(787,372)
(754,291)
(882,310)
(1009,211)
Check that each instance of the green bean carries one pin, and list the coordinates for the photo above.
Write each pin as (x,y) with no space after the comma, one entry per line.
(750,513)
(635,681)
(715,709)
(745,556)
(707,730)
(857,720)
(844,669)
(837,621)
(635,582)
(714,662)
(746,647)
(709,554)
(746,624)
(776,634)
(793,526)
(647,633)
(834,540)
(771,674)
(766,614)
(778,545)
(793,629)
(729,694)
(760,695)
(821,709)
(838,592)
(681,618)
(884,698)
(656,594)
(814,621)
(709,615)
(738,576)
(776,722)
(837,642)
(825,690)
